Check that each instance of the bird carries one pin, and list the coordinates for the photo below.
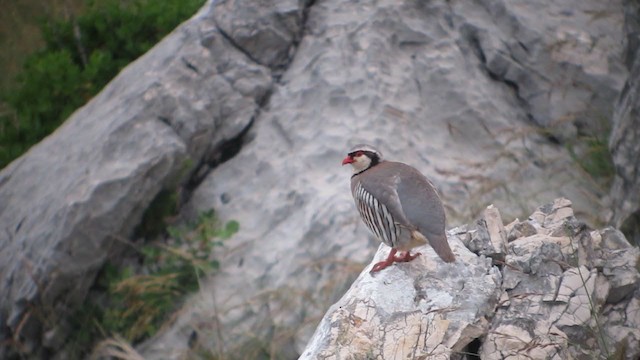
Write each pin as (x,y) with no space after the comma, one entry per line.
(398,204)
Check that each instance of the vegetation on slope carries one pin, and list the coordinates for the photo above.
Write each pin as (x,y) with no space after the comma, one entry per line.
(80,55)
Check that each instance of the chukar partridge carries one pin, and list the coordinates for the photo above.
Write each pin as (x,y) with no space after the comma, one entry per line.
(398,204)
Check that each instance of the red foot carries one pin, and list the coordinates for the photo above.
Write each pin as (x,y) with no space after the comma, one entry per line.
(405,256)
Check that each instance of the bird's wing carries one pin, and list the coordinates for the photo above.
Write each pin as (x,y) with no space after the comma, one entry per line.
(420,201)
(423,208)
(382,183)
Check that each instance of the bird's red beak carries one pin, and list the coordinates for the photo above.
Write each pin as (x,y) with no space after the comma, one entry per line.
(347,160)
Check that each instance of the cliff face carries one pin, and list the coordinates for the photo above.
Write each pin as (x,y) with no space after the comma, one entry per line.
(482,97)
(67,204)
(624,142)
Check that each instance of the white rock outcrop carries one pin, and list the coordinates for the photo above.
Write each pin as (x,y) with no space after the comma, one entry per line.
(425,308)
(563,292)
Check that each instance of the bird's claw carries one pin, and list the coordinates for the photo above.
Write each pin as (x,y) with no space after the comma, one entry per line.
(379,266)
(404,256)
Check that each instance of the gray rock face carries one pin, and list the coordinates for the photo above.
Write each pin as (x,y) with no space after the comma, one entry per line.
(446,87)
(467,92)
(264,30)
(547,301)
(577,48)
(632,31)
(67,203)
(624,142)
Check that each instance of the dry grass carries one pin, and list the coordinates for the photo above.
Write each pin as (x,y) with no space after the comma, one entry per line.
(115,348)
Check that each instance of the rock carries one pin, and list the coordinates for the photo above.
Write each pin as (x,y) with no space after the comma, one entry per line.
(264,30)
(69,201)
(631,9)
(467,92)
(489,238)
(621,270)
(577,47)
(517,229)
(421,81)
(622,326)
(624,141)
(547,306)
(557,307)
(425,308)
(610,238)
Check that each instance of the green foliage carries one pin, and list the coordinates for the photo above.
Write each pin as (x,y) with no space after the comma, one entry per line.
(81,55)
(595,158)
(597,161)
(163,206)
(138,300)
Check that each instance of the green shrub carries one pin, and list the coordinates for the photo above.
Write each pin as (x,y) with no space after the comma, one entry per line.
(136,301)
(594,158)
(80,56)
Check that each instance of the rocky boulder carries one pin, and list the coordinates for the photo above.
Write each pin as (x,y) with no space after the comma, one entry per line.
(562,292)
(67,204)
(422,310)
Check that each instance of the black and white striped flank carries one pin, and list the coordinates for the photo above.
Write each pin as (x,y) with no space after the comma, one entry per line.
(376,216)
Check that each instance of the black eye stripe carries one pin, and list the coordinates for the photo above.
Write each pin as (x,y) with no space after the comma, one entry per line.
(369,154)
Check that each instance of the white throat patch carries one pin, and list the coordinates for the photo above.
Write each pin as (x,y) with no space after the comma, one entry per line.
(360,163)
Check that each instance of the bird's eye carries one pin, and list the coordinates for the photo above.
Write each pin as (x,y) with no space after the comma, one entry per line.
(358,154)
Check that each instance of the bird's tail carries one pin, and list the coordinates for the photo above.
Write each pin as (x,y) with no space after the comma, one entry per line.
(440,244)
(442,248)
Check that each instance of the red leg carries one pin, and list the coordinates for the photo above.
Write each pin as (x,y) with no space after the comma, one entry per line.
(405,256)
(383,264)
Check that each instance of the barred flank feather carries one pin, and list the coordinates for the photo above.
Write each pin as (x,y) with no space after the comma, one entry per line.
(377,217)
